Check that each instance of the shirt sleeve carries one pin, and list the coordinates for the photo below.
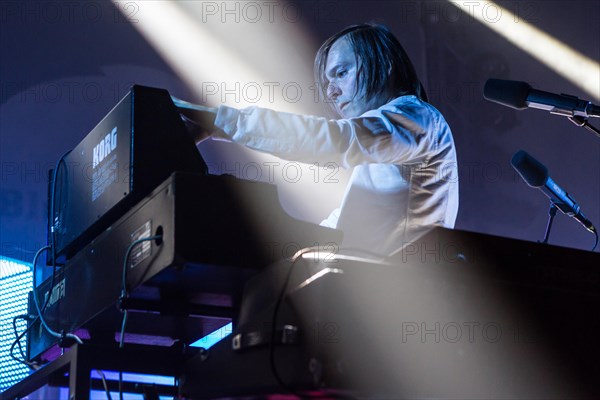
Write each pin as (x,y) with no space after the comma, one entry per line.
(392,134)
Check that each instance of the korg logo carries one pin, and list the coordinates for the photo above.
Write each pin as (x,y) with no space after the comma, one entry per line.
(105,147)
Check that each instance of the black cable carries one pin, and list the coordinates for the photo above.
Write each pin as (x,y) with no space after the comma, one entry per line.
(51,217)
(51,247)
(14,324)
(124,294)
(126,260)
(41,311)
(120,385)
(124,291)
(18,338)
(596,243)
(280,298)
(34,268)
(52,210)
(105,384)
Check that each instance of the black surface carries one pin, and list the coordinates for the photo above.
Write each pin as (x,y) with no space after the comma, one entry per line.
(148,144)
(217,232)
(526,313)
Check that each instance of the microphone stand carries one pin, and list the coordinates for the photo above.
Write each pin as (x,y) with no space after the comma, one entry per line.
(551,215)
(583,122)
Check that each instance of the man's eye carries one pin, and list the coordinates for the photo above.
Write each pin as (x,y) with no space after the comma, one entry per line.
(342,73)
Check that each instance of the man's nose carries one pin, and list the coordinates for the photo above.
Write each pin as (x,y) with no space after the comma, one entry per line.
(333,91)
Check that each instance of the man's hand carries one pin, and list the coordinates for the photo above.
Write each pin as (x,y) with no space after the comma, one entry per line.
(199,120)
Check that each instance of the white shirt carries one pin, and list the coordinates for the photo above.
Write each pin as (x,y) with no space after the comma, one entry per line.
(405,175)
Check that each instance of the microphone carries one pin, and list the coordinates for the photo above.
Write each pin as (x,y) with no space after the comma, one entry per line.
(520,95)
(535,174)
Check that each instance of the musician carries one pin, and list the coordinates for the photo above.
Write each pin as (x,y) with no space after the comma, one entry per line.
(400,147)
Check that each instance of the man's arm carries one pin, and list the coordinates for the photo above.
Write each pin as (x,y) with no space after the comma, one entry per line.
(390,134)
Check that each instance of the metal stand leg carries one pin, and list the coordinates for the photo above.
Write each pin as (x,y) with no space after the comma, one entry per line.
(79,376)
(80,360)
(551,215)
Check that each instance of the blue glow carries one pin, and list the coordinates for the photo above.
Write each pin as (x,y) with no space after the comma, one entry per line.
(15,283)
(127,377)
(131,377)
(214,337)
(9,267)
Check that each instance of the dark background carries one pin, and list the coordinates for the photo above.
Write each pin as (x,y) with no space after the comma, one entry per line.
(63,66)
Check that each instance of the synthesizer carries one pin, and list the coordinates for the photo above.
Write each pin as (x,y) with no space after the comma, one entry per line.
(454,315)
(134,148)
(215,232)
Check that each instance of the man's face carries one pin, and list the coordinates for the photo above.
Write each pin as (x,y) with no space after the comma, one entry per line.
(341,70)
